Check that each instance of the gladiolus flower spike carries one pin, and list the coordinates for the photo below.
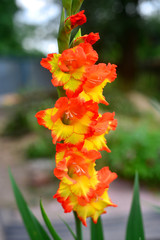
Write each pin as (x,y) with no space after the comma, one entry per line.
(77,129)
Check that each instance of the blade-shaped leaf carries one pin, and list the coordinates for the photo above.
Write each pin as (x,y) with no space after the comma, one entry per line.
(48,223)
(135,230)
(33,227)
(70,230)
(97,230)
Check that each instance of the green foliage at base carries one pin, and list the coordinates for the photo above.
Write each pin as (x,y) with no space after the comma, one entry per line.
(36,231)
(48,223)
(135,229)
(32,225)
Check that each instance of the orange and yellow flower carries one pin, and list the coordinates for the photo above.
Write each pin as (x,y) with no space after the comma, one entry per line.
(102,126)
(75,122)
(68,68)
(76,172)
(86,195)
(64,150)
(70,120)
(96,78)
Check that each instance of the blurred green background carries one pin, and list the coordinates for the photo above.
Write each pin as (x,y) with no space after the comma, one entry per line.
(129,37)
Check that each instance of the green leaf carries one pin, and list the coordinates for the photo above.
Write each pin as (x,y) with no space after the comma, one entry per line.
(70,230)
(33,227)
(48,223)
(135,230)
(96,230)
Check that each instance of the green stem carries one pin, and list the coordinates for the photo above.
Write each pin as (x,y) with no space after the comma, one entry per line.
(61,92)
(78,227)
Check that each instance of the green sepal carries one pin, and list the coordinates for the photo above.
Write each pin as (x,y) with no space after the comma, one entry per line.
(78,34)
(48,223)
(96,230)
(76,5)
(67,4)
(33,226)
(135,228)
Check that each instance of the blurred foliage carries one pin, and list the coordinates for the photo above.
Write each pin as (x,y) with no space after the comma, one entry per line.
(22,120)
(118,101)
(9,42)
(135,149)
(17,126)
(112,19)
(12,34)
(127,38)
(120,23)
(43,147)
(149,48)
(148,84)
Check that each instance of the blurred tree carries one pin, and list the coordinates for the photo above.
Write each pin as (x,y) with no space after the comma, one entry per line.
(15,36)
(127,38)
(37,25)
(122,30)
(9,43)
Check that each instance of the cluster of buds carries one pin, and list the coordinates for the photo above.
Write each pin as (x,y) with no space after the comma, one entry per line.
(77,129)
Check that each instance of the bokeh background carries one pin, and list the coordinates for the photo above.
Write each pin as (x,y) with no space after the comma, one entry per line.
(130,38)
